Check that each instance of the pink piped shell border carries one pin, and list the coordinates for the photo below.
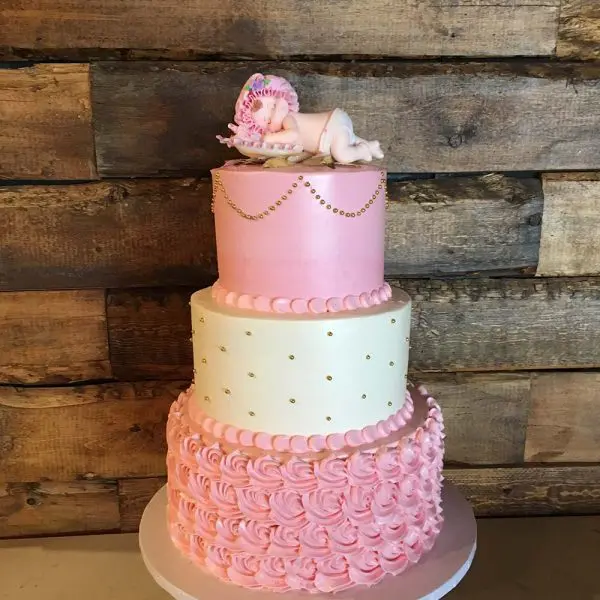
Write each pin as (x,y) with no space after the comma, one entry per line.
(375,297)
(296,444)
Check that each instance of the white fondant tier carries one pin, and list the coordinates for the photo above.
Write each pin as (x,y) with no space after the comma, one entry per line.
(303,374)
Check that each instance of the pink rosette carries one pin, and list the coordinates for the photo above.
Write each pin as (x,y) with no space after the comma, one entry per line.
(323,507)
(206,524)
(284,541)
(189,447)
(392,559)
(385,502)
(272,575)
(315,541)
(197,552)
(409,496)
(410,457)
(187,510)
(208,461)
(389,465)
(368,535)
(243,570)
(182,474)
(344,538)
(255,536)
(364,567)
(330,472)
(217,560)
(298,475)
(254,504)
(413,545)
(394,532)
(332,575)
(180,537)
(175,433)
(233,469)
(358,505)
(228,531)
(362,469)
(287,508)
(199,488)
(265,473)
(225,499)
(301,574)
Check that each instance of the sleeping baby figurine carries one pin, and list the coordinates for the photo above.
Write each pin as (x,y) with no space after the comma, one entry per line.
(269,124)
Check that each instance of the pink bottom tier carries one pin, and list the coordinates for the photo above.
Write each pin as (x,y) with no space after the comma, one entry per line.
(321,522)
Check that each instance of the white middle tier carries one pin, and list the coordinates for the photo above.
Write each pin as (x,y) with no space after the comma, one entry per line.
(300,374)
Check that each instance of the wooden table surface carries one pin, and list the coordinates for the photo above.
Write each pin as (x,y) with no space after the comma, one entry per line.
(550,558)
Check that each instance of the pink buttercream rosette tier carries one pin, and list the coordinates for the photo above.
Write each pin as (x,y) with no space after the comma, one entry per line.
(318,521)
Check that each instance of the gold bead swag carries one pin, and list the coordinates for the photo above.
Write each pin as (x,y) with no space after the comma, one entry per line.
(219,187)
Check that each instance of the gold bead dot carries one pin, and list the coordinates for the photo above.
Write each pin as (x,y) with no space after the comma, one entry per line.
(307,184)
(313,191)
(328,418)
(291,191)
(364,396)
(294,185)
(194,371)
(393,321)
(278,202)
(251,375)
(406,339)
(318,197)
(248,333)
(330,333)
(284,197)
(300,177)
(329,377)
(222,349)
(206,399)
(201,319)
(391,363)
(203,361)
(251,413)
(328,207)
(368,357)
(342,213)
(292,401)
(322,202)
(291,357)
(227,391)
(335,210)
(379,186)
(193,331)
(271,208)
(389,404)
(352,215)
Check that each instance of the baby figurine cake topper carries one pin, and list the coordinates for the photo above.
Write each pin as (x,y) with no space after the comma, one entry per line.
(269,124)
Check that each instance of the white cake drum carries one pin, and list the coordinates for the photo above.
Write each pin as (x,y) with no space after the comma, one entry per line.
(434,576)
(303,374)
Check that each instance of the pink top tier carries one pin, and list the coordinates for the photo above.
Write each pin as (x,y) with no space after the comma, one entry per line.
(300,239)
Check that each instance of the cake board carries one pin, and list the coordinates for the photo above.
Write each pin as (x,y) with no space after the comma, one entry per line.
(432,578)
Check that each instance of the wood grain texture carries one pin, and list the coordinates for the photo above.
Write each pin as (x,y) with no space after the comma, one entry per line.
(150,333)
(106,234)
(463,225)
(51,508)
(570,244)
(275,28)
(485,415)
(504,324)
(45,122)
(89,432)
(564,419)
(160,232)
(162,118)
(579,30)
(530,491)
(53,337)
(134,495)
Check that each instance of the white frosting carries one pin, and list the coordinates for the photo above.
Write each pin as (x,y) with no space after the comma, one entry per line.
(342,370)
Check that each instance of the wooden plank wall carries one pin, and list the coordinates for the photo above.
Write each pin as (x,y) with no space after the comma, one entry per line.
(489,114)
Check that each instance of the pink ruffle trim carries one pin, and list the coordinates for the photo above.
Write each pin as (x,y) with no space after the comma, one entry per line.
(301,305)
(321,524)
(295,444)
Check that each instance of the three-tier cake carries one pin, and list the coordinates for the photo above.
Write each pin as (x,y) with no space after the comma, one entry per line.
(298,459)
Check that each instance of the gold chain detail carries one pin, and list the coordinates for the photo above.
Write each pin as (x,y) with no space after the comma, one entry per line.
(218,186)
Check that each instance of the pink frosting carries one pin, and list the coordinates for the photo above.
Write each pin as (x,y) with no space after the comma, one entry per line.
(271,263)
(321,522)
(301,305)
(199,422)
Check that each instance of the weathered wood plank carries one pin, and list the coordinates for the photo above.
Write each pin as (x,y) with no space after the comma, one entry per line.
(106,234)
(53,337)
(570,244)
(463,224)
(134,495)
(150,333)
(51,508)
(579,30)
(45,122)
(504,324)
(90,432)
(162,233)
(564,419)
(485,415)
(530,491)
(162,118)
(275,28)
